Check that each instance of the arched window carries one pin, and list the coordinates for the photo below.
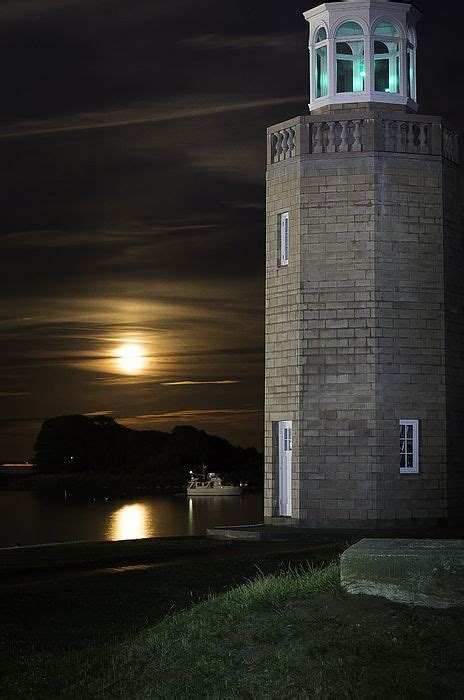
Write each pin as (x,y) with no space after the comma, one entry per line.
(322,75)
(349,29)
(386,58)
(350,58)
(385,29)
(411,63)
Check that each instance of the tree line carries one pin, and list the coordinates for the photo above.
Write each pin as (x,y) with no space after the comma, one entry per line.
(99,445)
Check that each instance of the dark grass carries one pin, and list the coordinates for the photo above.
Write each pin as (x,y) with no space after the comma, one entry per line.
(158,632)
(88,555)
(58,622)
(292,636)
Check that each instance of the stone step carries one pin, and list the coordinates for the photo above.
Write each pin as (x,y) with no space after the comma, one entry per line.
(428,572)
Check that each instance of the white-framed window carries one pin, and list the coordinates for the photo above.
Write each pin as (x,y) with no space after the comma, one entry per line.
(409,446)
(321,63)
(284,236)
(351,71)
(411,63)
(386,58)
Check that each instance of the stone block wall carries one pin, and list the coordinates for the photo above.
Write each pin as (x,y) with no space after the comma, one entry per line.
(356,333)
(337,339)
(410,334)
(453,198)
(282,324)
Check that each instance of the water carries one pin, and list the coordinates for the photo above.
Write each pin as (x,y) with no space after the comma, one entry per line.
(26,518)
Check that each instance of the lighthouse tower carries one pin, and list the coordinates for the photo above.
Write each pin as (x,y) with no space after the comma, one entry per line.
(364,400)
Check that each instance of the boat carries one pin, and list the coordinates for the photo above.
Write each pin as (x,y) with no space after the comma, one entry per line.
(210,485)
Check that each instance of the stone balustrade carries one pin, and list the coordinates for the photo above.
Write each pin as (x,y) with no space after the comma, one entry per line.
(284,144)
(406,137)
(450,145)
(411,134)
(337,136)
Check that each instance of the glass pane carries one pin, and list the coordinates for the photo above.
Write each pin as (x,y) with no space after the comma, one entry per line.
(402,430)
(380,47)
(344,76)
(409,463)
(321,72)
(382,75)
(409,431)
(321,35)
(386,29)
(411,90)
(350,66)
(409,447)
(350,29)
(395,78)
(402,461)
(344,48)
(387,66)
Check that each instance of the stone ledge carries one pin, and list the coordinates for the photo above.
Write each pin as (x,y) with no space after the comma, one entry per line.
(418,572)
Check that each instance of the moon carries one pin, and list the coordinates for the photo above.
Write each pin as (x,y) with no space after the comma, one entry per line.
(130,358)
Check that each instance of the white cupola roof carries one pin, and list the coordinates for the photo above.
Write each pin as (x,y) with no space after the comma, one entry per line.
(362,51)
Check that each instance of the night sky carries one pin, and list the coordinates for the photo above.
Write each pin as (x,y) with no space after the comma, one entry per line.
(133,162)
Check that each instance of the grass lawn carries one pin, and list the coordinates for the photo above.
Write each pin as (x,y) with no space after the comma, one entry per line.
(293,636)
(65,608)
(141,632)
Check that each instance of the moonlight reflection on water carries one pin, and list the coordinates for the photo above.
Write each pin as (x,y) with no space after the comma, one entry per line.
(29,519)
(130,522)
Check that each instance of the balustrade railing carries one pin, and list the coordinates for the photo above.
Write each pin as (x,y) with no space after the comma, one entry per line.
(283,144)
(310,135)
(406,136)
(337,136)
(450,145)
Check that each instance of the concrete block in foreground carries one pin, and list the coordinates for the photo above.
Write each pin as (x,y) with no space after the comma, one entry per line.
(419,572)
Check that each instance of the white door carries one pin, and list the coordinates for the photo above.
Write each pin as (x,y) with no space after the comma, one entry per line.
(285,468)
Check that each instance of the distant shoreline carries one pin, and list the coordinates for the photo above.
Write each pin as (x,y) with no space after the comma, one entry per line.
(84,486)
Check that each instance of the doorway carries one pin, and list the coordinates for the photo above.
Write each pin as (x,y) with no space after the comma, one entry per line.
(285,468)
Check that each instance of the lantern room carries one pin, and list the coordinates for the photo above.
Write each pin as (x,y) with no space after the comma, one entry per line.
(362,51)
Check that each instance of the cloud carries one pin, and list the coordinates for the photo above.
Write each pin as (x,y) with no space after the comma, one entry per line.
(250,205)
(240,425)
(189,382)
(70,239)
(98,413)
(227,42)
(195,413)
(143,114)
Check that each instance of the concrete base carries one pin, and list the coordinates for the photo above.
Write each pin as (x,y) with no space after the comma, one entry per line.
(419,572)
(264,533)
(410,525)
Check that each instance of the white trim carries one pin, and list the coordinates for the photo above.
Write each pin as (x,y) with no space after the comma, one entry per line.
(394,22)
(285,468)
(414,423)
(349,17)
(332,16)
(284,236)
(312,38)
